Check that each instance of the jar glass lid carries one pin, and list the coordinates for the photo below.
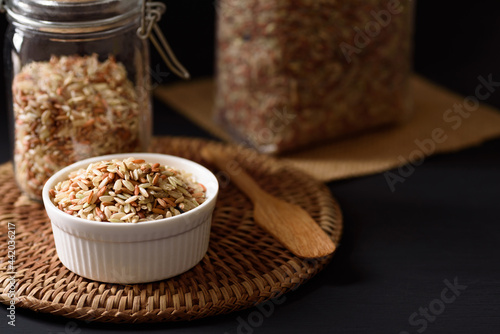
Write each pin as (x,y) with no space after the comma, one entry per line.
(90,16)
(72,13)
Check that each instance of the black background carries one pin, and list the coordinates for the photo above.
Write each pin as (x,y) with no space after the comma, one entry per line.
(398,247)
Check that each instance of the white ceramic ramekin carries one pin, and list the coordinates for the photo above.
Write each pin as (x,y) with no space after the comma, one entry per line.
(133,253)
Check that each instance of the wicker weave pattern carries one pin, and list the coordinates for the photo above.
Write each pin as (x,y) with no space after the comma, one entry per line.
(243,266)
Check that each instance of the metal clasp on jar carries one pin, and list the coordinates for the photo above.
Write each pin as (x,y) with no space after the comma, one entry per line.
(152,12)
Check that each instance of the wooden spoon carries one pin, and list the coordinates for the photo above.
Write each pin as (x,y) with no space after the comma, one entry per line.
(291,225)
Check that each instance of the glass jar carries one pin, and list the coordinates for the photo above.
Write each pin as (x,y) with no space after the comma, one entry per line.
(293,74)
(78,83)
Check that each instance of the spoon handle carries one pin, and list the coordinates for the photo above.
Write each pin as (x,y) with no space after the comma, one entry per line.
(235,173)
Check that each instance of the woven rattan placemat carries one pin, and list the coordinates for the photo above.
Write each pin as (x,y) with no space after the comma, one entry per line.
(243,266)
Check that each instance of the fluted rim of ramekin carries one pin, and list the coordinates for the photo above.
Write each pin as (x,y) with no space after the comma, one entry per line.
(84,224)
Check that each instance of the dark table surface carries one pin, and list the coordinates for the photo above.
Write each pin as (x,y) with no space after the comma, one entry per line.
(424,258)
